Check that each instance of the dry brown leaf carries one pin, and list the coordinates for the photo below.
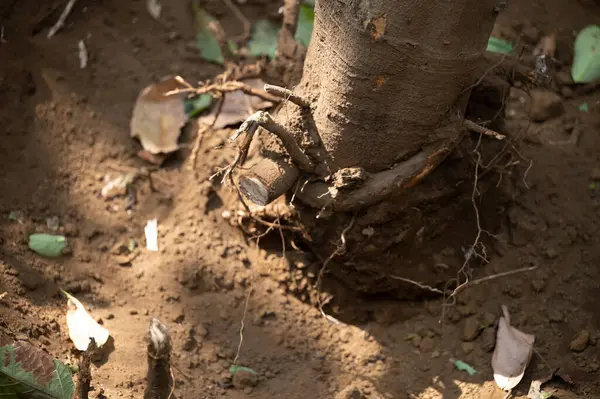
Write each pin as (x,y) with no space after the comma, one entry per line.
(237,106)
(512,353)
(157,119)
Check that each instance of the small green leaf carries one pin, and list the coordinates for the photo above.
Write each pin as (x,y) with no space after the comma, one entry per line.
(205,38)
(584,107)
(310,3)
(29,372)
(592,186)
(195,105)
(234,369)
(47,244)
(462,366)
(586,59)
(15,216)
(306,19)
(263,39)
(233,47)
(497,45)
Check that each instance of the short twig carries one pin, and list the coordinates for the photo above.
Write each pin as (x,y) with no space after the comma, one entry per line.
(62,19)
(483,130)
(287,94)
(84,377)
(226,87)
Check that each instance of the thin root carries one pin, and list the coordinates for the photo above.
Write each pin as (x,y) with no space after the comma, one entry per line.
(338,251)
(62,19)
(287,94)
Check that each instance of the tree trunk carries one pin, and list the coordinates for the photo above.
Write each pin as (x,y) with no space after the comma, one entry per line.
(388,83)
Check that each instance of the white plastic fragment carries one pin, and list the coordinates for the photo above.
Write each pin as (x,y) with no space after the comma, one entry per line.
(151,232)
(83,55)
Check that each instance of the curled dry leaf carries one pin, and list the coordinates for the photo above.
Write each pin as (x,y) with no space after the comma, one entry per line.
(82,326)
(158,118)
(512,353)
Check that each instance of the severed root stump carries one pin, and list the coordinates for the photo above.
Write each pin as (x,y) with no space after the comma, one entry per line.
(159,365)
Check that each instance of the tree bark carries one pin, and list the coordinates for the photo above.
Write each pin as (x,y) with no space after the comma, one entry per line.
(386,80)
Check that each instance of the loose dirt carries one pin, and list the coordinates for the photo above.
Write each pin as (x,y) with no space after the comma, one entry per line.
(65,128)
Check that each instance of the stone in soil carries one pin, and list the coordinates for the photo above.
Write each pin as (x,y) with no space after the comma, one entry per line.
(545,104)
(243,379)
(580,342)
(470,329)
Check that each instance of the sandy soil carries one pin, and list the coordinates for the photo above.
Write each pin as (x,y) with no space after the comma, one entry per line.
(65,128)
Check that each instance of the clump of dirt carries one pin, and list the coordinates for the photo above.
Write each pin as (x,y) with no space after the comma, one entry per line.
(66,128)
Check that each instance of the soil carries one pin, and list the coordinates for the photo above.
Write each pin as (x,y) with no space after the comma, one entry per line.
(65,128)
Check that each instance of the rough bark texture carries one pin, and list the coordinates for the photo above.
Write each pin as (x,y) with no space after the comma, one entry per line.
(386,81)
(387,73)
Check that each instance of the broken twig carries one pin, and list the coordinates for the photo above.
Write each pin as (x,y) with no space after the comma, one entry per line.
(287,94)
(483,130)
(62,19)
(226,87)
(84,376)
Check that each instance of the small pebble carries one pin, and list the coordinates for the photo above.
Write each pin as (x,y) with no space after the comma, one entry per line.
(243,379)
(580,342)
(470,329)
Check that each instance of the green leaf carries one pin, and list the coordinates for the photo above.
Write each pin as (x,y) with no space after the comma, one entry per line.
(497,45)
(195,105)
(263,39)
(29,372)
(234,369)
(586,58)
(47,244)
(584,107)
(205,38)
(306,19)
(464,367)
(233,47)
(15,216)
(310,3)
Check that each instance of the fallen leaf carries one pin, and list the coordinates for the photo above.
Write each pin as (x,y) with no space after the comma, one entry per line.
(196,105)
(512,353)
(206,41)
(462,366)
(154,8)
(151,232)
(29,372)
(158,118)
(497,45)
(263,39)
(234,369)
(47,244)
(586,55)
(306,18)
(82,326)
(237,107)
